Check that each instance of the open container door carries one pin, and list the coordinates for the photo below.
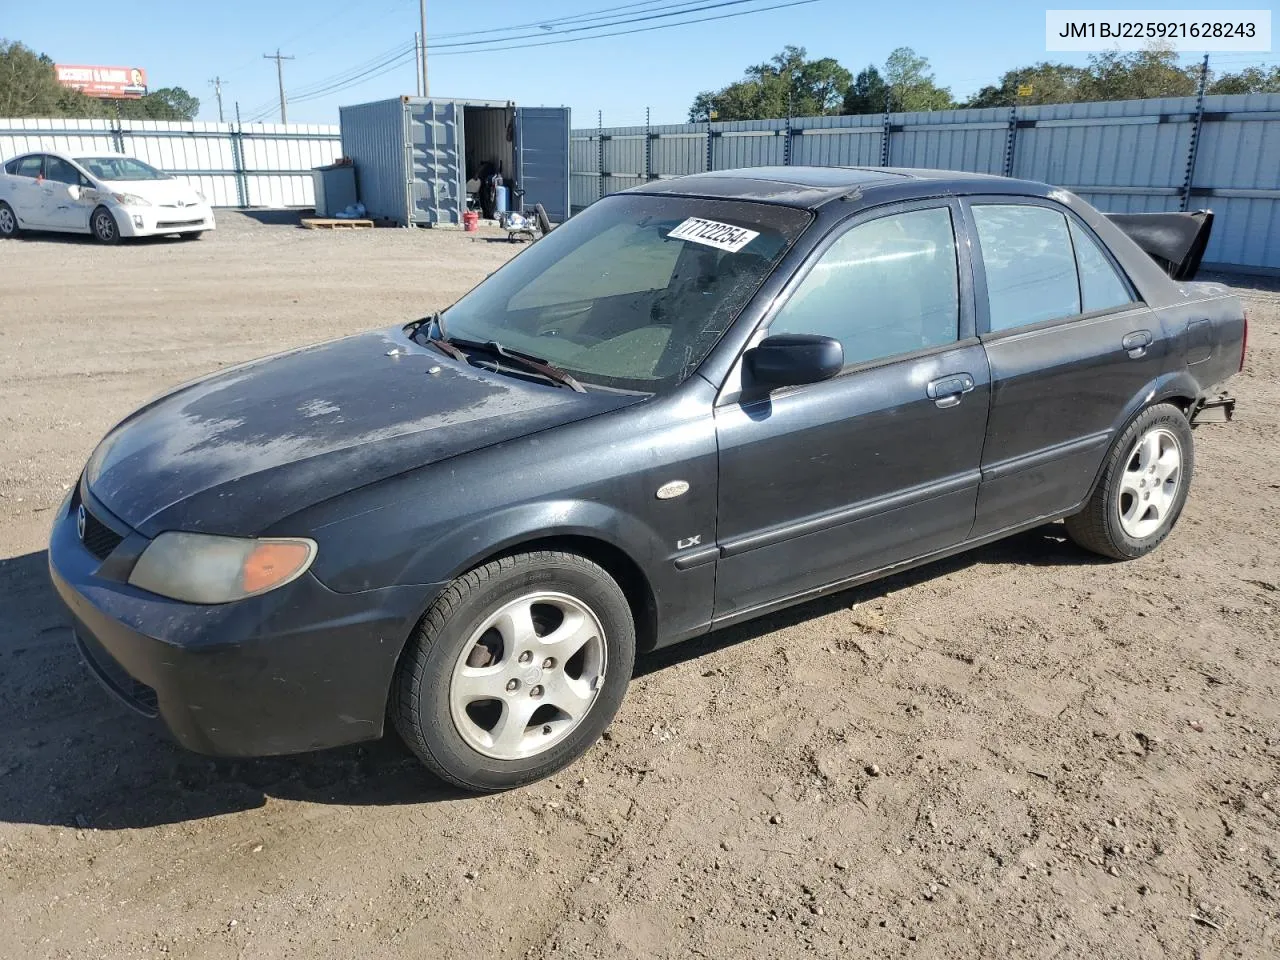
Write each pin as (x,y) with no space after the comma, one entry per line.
(542,159)
(437,193)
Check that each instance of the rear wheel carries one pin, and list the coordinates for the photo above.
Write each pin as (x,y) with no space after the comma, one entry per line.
(515,671)
(1143,489)
(8,222)
(103,224)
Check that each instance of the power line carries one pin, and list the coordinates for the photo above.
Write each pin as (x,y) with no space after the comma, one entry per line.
(355,71)
(623,33)
(614,23)
(279,59)
(354,76)
(609,13)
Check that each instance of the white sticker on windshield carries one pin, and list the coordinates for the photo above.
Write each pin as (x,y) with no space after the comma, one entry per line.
(722,236)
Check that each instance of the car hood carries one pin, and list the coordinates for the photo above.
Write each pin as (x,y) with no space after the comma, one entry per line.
(244,448)
(155,191)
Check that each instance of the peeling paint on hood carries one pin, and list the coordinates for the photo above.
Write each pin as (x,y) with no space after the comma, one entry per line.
(242,449)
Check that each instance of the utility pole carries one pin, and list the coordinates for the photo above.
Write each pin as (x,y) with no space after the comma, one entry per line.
(217,83)
(417,63)
(422,14)
(284,117)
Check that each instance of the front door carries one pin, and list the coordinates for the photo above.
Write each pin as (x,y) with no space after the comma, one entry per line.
(824,482)
(1070,346)
(62,196)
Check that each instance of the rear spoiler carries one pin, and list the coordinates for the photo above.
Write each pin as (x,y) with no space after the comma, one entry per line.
(1176,241)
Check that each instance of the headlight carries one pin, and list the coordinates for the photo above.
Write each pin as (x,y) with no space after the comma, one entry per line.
(131,200)
(199,568)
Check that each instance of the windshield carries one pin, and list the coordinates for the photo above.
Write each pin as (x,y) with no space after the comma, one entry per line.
(121,168)
(634,291)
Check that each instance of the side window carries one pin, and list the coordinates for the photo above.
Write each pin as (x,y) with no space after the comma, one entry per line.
(886,287)
(30,166)
(59,170)
(11,167)
(1100,285)
(1027,255)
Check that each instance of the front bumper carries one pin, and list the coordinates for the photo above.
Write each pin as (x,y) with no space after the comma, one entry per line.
(157,221)
(300,668)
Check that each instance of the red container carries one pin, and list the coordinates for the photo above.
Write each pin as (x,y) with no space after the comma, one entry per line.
(471,222)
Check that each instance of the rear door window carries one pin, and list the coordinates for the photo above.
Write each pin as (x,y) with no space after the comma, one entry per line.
(1029,264)
(29,166)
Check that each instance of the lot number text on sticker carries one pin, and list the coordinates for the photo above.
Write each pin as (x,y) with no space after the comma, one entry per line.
(722,236)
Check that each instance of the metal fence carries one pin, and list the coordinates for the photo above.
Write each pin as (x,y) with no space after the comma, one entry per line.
(1219,152)
(254,165)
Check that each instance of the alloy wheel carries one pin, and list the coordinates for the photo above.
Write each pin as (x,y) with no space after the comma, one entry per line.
(527,676)
(1149,484)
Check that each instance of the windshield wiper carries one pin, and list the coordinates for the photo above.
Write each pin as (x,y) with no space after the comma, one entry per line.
(536,364)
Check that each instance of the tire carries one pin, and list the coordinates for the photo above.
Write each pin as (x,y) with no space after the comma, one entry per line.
(544,222)
(9,228)
(1137,500)
(103,226)
(441,703)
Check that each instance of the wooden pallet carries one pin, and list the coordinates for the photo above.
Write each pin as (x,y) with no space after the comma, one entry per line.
(333,223)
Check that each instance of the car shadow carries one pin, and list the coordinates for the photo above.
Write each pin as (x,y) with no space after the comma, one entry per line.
(72,756)
(276,217)
(85,239)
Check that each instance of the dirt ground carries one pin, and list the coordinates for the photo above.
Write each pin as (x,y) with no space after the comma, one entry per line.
(1019,752)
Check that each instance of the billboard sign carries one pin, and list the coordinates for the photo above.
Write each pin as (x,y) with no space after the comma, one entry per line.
(117,83)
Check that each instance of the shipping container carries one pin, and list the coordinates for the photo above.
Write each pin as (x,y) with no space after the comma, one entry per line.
(419,161)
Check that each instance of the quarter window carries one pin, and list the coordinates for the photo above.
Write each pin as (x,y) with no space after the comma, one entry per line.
(1100,286)
(885,287)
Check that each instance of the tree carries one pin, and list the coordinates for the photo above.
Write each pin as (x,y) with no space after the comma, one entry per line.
(1249,80)
(911,85)
(867,93)
(1137,75)
(1046,83)
(29,87)
(788,85)
(167,103)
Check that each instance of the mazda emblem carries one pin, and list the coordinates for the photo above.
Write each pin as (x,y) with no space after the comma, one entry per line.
(80,521)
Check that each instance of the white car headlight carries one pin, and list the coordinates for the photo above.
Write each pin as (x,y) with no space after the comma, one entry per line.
(199,568)
(131,200)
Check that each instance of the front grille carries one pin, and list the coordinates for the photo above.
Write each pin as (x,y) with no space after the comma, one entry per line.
(99,539)
(173,224)
(135,694)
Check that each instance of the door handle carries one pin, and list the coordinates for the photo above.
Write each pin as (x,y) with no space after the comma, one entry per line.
(947,391)
(1136,343)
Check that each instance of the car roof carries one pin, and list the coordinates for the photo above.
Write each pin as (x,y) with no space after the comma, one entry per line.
(811,187)
(64,155)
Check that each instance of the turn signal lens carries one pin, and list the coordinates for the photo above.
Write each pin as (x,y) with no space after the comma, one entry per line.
(274,562)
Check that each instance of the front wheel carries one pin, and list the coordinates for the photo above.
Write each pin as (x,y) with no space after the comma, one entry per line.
(516,670)
(103,224)
(1143,488)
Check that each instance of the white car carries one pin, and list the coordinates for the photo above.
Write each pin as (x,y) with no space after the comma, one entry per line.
(109,195)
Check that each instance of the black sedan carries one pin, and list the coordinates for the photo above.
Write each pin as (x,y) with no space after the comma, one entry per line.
(691,404)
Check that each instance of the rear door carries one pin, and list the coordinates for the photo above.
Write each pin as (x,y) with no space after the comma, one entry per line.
(1070,345)
(542,159)
(26,191)
(827,481)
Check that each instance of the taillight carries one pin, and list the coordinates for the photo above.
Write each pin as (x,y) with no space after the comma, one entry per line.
(1244,340)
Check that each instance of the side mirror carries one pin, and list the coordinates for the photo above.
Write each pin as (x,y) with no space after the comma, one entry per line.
(74,191)
(790,359)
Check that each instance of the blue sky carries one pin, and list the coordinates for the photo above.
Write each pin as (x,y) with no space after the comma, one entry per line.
(185,44)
